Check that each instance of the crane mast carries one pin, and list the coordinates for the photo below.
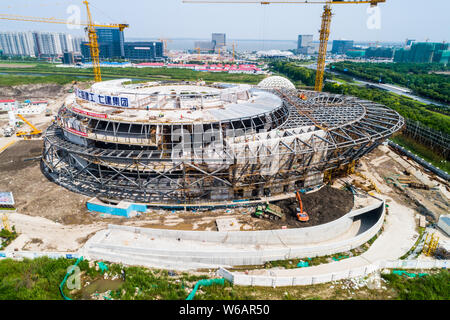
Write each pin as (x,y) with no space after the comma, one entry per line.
(93,45)
(324,36)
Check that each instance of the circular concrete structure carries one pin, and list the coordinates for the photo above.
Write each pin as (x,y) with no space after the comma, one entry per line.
(190,143)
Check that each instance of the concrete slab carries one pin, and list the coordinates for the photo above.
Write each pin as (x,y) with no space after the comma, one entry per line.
(228,224)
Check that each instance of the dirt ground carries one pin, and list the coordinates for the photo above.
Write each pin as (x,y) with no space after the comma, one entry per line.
(323,206)
(380,164)
(33,193)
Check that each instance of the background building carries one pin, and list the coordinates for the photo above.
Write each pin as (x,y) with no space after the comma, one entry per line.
(304,44)
(219,39)
(204,46)
(144,51)
(38,44)
(356,53)
(379,53)
(17,44)
(423,52)
(342,46)
(68,58)
(111,44)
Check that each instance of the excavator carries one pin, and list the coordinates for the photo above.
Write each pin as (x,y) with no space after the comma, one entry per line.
(27,135)
(301,215)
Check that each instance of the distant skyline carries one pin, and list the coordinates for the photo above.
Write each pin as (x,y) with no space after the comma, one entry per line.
(400,19)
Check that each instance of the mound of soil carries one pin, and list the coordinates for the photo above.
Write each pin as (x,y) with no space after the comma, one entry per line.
(323,206)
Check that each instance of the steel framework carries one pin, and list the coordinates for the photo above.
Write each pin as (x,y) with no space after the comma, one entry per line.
(228,160)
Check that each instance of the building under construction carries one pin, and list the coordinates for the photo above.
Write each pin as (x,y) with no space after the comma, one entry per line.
(191,143)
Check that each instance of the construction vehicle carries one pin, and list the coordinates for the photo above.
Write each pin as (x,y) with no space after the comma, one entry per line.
(324,30)
(90,28)
(8,132)
(269,211)
(301,215)
(35,132)
(302,96)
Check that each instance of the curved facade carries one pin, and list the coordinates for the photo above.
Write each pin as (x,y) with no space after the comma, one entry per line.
(191,143)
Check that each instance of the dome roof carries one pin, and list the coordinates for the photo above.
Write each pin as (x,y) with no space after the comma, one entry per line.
(276,82)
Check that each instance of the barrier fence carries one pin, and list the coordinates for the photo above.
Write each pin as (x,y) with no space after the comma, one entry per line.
(274,281)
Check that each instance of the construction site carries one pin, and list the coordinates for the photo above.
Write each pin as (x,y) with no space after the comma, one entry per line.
(218,176)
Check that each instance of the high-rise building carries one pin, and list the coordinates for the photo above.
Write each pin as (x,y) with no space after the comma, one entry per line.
(68,58)
(203,46)
(17,44)
(111,44)
(219,39)
(144,51)
(38,43)
(47,44)
(379,53)
(304,44)
(422,52)
(341,46)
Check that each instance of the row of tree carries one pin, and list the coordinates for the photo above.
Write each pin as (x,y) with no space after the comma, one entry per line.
(408,108)
(421,78)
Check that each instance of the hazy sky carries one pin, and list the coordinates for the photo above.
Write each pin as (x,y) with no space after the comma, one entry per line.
(400,19)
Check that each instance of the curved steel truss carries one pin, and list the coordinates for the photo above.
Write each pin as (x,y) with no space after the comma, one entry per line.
(180,164)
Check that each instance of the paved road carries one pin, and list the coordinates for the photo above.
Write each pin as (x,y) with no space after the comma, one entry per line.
(397,238)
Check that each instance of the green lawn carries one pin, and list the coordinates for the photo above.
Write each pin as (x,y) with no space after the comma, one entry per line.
(39,279)
(66,75)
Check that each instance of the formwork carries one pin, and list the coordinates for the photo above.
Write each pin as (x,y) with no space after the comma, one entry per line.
(188,143)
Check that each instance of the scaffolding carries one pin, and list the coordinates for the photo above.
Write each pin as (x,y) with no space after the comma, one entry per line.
(430,245)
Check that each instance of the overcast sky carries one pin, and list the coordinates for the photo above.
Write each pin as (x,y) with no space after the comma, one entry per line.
(399,19)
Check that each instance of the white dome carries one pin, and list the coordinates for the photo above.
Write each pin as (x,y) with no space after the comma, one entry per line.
(276,82)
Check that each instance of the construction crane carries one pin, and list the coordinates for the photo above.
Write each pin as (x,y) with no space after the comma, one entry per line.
(165,41)
(27,135)
(89,27)
(324,30)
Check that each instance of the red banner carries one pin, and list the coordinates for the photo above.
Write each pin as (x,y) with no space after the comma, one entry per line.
(91,114)
(79,133)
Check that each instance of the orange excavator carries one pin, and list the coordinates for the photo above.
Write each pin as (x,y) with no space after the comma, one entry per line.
(301,215)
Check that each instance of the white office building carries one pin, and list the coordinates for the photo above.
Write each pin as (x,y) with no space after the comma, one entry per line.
(36,43)
(17,43)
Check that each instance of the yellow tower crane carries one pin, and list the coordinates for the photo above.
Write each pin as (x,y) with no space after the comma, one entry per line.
(90,29)
(324,30)
(165,41)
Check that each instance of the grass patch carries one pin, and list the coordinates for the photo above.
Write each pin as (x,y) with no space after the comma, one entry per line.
(431,287)
(14,80)
(66,75)
(7,237)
